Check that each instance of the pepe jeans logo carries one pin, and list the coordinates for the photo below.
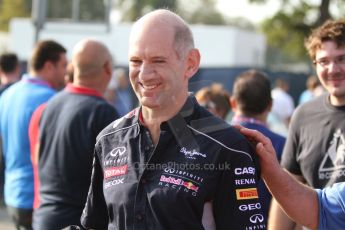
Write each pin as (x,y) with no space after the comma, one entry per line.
(191,154)
(119,151)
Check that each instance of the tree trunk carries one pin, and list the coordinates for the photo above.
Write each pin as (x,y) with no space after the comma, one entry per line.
(324,13)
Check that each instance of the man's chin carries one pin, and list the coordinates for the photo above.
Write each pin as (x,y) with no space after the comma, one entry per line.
(151,104)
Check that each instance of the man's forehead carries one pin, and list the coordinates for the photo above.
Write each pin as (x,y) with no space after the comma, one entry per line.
(151,42)
(329,48)
(157,31)
(150,49)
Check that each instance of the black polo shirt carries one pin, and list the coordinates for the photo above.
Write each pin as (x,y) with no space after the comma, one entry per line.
(198,158)
(69,126)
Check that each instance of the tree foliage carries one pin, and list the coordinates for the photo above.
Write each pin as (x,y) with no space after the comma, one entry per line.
(194,11)
(89,10)
(203,11)
(132,10)
(288,28)
(13,8)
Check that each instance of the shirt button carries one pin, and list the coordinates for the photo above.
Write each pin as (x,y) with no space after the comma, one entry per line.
(139,217)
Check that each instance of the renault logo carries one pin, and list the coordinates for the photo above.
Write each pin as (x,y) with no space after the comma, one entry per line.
(256,218)
(119,151)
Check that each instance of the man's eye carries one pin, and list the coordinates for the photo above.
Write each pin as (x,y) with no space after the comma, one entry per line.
(135,62)
(159,61)
(341,59)
(323,62)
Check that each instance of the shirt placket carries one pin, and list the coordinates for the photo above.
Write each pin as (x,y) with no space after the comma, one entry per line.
(146,152)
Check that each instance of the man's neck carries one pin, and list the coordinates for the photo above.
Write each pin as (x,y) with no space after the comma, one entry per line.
(37,74)
(92,83)
(259,117)
(154,117)
(7,79)
(337,101)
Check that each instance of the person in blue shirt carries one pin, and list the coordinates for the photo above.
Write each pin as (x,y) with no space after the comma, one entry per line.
(251,103)
(310,92)
(47,69)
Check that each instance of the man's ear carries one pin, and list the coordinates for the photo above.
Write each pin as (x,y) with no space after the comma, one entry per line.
(108,67)
(269,106)
(193,63)
(233,103)
(48,65)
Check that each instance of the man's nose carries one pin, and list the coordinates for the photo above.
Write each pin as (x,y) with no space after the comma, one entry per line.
(146,71)
(333,67)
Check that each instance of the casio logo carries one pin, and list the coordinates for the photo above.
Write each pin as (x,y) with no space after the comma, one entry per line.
(245,170)
(249,207)
(119,151)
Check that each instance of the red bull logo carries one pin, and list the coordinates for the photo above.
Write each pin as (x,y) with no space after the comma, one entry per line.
(177,181)
(190,186)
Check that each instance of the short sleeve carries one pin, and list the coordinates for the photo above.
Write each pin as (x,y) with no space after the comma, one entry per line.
(236,202)
(331,207)
(291,148)
(95,214)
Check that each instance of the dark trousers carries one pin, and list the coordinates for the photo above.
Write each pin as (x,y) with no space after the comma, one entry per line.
(22,218)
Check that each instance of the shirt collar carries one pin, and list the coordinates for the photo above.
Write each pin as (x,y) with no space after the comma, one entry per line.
(186,111)
(238,119)
(82,90)
(35,80)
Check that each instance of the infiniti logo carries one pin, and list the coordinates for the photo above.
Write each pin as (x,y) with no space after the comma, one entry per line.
(119,151)
(256,218)
(169,170)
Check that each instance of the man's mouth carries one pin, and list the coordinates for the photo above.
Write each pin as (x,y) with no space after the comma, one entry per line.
(149,87)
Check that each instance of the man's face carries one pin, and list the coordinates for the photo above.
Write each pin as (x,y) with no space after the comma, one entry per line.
(60,68)
(156,73)
(331,70)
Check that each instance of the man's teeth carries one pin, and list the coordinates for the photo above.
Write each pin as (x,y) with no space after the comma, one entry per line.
(150,86)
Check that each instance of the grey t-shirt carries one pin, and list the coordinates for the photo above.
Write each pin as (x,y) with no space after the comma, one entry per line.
(315,147)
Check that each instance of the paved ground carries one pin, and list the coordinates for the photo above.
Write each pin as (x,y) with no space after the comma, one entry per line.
(5,222)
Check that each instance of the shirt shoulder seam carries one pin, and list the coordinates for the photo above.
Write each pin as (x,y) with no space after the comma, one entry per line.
(220,143)
(115,131)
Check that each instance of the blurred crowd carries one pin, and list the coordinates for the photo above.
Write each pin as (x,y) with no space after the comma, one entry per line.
(51,114)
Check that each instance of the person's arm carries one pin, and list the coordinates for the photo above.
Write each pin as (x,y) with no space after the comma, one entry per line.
(299,201)
(95,213)
(278,219)
(208,221)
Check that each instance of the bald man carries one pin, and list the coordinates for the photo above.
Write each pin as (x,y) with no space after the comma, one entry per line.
(68,129)
(170,164)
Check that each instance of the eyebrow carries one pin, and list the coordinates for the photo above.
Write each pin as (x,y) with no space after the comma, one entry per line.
(159,57)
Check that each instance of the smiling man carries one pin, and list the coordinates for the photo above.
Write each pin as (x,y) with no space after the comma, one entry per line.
(170,164)
(314,151)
